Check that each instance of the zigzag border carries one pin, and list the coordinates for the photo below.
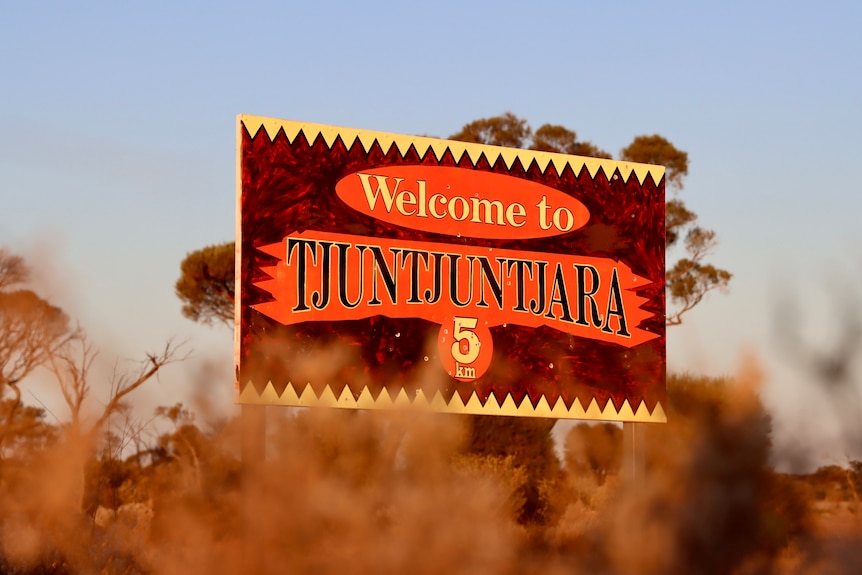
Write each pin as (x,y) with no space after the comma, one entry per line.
(367,138)
(437,403)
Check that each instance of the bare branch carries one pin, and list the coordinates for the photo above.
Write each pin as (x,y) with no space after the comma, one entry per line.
(13,270)
(689,280)
(71,367)
(71,371)
(31,330)
(125,384)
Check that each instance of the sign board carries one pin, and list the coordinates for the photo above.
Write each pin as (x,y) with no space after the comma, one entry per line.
(378,270)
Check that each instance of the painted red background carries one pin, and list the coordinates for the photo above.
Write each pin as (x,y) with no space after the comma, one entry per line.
(290,187)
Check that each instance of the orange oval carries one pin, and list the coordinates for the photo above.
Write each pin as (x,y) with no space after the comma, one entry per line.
(462,202)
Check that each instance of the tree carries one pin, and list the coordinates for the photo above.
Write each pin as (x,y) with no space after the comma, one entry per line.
(690,278)
(594,450)
(554,138)
(657,149)
(26,430)
(71,367)
(714,456)
(185,443)
(527,441)
(31,330)
(206,284)
(13,270)
(504,130)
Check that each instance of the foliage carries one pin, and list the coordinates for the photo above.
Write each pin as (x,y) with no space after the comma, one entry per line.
(726,429)
(554,138)
(31,330)
(26,431)
(594,450)
(511,131)
(13,270)
(503,130)
(833,483)
(658,150)
(206,284)
(348,491)
(690,278)
(35,333)
(30,327)
(527,445)
(709,502)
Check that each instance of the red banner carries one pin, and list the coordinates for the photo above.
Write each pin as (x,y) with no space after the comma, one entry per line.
(333,277)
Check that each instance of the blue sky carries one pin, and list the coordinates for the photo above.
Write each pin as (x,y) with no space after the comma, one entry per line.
(118,149)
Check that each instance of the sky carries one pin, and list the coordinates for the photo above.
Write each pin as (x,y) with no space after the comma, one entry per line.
(118,155)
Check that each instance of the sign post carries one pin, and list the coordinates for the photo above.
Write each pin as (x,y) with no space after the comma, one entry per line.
(253,423)
(379,271)
(634,460)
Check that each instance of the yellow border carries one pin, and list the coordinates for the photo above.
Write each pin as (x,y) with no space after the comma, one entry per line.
(237,300)
(350,136)
(437,403)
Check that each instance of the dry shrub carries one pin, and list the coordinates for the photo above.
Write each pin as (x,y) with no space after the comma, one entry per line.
(709,501)
(354,492)
(374,492)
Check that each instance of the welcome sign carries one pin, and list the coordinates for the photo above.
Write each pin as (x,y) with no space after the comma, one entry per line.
(378,270)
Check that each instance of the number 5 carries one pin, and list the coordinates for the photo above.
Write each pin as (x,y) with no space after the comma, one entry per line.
(463,327)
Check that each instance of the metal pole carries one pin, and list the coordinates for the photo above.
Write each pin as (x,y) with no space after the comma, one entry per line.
(253,423)
(634,460)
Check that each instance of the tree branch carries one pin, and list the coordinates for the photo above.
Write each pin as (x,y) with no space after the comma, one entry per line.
(125,385)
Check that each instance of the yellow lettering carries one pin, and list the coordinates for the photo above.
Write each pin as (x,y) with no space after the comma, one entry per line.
(543,213)
(516,210)
(431,203)
(497,206)
(465,208)
(422,205)
(570,219)
(382,190)
(407,198)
